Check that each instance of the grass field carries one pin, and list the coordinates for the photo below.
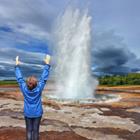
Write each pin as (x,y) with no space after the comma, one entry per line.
(8,82)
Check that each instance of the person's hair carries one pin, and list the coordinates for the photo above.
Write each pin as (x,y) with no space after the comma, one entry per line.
(31,82)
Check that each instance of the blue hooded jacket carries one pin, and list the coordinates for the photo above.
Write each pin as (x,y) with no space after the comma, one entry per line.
(32,98)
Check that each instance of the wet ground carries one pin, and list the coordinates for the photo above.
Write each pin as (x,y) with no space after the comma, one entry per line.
(117,120)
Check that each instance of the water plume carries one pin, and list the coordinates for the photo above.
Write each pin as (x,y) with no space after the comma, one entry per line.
(72,39)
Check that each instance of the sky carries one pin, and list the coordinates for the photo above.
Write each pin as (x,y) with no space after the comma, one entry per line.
(26,30)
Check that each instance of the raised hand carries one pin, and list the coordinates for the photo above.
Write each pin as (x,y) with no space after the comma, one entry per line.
(17,60)
(47,59)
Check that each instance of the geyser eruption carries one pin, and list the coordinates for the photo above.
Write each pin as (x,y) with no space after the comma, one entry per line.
(73,69)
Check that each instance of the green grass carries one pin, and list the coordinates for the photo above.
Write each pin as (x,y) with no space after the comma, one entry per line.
(8,82)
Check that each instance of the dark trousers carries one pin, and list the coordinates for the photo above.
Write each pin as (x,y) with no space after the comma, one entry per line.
(32,128)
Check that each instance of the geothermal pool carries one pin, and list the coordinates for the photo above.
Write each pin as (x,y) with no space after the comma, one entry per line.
(98,98)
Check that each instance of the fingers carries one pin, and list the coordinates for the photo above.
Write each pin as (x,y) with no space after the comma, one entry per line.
(17,58)
(47,59)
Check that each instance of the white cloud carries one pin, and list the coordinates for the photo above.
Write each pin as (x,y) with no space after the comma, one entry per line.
(27,16)
(30,61)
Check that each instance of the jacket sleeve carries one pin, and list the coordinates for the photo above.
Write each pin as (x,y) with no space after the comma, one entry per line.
(44,77)
(19,78)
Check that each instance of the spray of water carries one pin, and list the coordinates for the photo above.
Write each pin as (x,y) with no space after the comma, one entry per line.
(73,69)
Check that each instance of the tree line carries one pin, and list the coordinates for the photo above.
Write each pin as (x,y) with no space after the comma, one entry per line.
(129,79)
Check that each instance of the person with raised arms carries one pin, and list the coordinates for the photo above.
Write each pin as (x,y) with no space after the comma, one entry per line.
(32,91)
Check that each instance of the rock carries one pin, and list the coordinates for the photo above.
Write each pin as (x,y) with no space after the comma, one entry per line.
(95,135)
(136,109)
(51,103)
(105,109)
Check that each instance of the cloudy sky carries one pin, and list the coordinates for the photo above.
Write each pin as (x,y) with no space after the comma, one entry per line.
(26,30)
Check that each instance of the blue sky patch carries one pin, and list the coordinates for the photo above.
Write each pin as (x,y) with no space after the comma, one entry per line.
(34,45)
(5,29)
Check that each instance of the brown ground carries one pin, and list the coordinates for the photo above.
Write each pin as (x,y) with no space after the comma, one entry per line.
(19,134)
(126,111)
